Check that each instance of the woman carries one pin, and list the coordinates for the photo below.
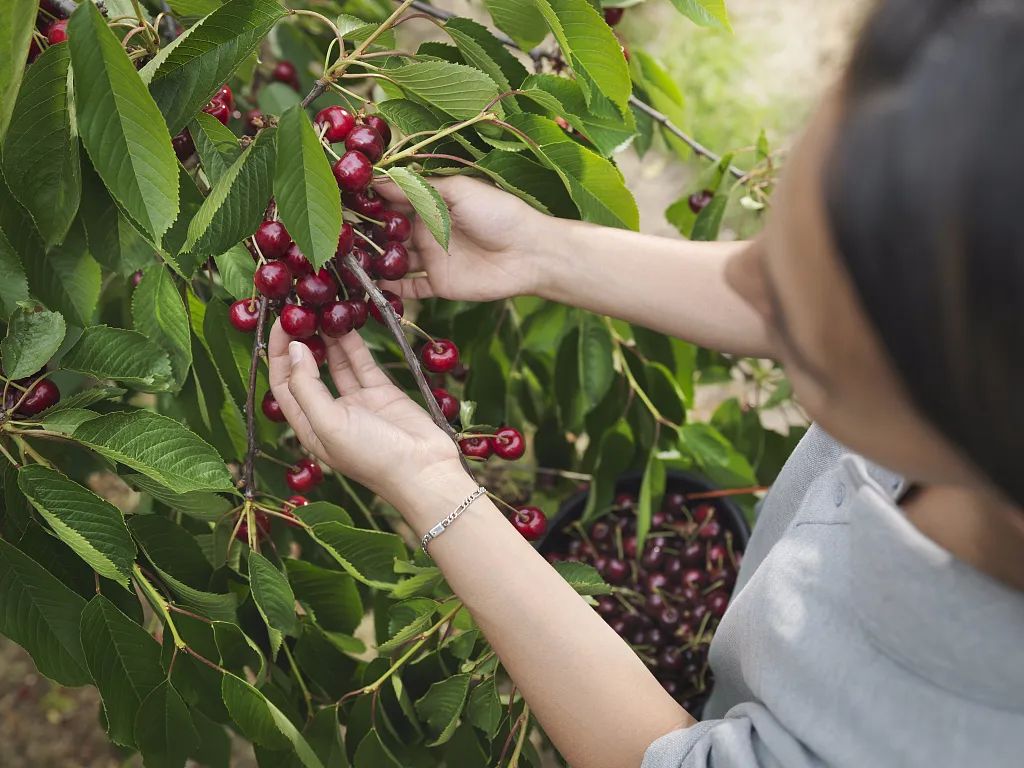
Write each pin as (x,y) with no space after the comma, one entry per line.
(879,616)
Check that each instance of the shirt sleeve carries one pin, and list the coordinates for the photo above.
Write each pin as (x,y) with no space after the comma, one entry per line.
(749,736)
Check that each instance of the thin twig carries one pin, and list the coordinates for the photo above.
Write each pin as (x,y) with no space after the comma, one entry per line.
(250,405)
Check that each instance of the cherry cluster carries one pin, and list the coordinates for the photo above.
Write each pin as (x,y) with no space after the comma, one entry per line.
(51,27)
(262,520)
(221,106)
(669,598)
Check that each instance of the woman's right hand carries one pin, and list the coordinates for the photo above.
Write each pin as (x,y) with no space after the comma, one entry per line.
(495,250)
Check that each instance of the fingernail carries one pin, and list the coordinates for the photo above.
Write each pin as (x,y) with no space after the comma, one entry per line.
(295,352)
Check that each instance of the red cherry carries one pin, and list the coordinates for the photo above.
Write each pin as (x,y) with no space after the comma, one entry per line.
(253,121)
(219,110)
(693,577)
(447,401)
(57,32)
(337,121)
(396,226)
(380,125)
(717,602)
(296,501)
(284,72)
(272,239)
(613,16)
(226,95)
(316,469)
(531,523)
(508,444)
(297,261)
(348,277)
(703,512)
(475,447)
(183,145)
(300,479)
(337,318)
(440,355)
(360,312)
(273,280)
(317,348)
(712,529)
(353,171)
(366,202)
(624,501)
(299,322)
(393,263)
(244,315)
(366,140)
(345,240)
(700,200)
(396,304)
(272,408)
(262,521)
(717,553)
(136,278)
(41,396)
(316,289)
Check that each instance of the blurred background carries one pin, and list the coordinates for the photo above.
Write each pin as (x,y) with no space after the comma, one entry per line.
(767,75)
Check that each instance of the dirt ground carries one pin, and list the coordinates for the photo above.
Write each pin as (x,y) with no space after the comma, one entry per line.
(797,46)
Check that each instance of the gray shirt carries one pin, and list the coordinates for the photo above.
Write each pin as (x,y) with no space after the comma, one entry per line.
(854,640)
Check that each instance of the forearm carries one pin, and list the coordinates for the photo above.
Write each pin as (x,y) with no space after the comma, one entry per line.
(594,697)
(677,287)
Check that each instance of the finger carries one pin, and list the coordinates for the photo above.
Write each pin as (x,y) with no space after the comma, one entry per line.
(365,368)
(410,288)
(396,198)
(280,370)
(305,385)
(341,368)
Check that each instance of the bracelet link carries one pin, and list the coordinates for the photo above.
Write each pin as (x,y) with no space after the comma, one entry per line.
(442,525)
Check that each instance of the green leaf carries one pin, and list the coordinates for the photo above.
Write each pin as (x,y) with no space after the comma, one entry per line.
(191,74)
(66,420)
(17,19)
(367,555)
(594,184)
(159,313)
(40,152)
(600,121)
(518,20)
(406,619)
(595,360)
(591,46)
(235,205)
(164,731)
(530,181)
(120,125)
(455,89)
(614,457)
(481,49)
(652,490)
(187,10)
(85,398)
(208,507)
(124,661)
(216,144)
(305,189)
(32,339)
(181,260)
(408,116)
(93,527)
(716,456)
(706,13)
(441,706)
(158,447)
(236,269)
(272,594)
(330,595)
(659,88)
(41,615)
(125,356)
(427,202)
(484,707)
(14,286)
(583,578)
(262,722)
(709,222)
(66,279)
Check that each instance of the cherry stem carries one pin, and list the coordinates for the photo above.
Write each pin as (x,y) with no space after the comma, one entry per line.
(159,605)
(275,460)
(369,240)
(8,456)
(416,329)
(409,151)
(391,319)
(521,741)
(306,697)
(248,488)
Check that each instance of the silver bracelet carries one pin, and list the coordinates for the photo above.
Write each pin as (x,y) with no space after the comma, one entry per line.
(438,529)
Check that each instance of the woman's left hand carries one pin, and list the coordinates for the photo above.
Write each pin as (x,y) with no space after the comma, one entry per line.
(373,432)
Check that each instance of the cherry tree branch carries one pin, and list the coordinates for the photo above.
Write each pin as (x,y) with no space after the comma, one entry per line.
(252,449)
(394,325)
(641,106)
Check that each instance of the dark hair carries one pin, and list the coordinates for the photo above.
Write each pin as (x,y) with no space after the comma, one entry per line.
(925,195)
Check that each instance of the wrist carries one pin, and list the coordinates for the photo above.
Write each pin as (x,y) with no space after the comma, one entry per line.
(429,496)
(556,248)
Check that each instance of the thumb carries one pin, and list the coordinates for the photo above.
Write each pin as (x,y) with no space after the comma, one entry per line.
(304,381)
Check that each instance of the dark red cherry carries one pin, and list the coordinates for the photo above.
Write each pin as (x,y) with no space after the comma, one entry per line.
(692,553)
(703,512)
(353,171)
(316,290)
(345,240)
(312,466)
(299,322)
(440,355)
(284,72)
(395,226)
(717,602)
(475,447)
(296,501)
(57,32)
(530,522)
(41,396)
(653,557)
(262,521)
(508,443)
(693,577)
(136,278)
(396,304)
(380,125)
(366,140)
(337,122)
(656,581)
(252,122)
(297,261)
(717,553)
(218,109)
(348,277)
(447,402)
(337,319)
(272,239)
(317,347)
(600,532)
(272,408)
(615,571)
(625,501)
(360,312)
(366,202)
(273,280)
(698,201)
(674,503)
(302,477)
(183,145)
(392,264)
(712,529)
(613,16)
(225,94)
(244,315)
